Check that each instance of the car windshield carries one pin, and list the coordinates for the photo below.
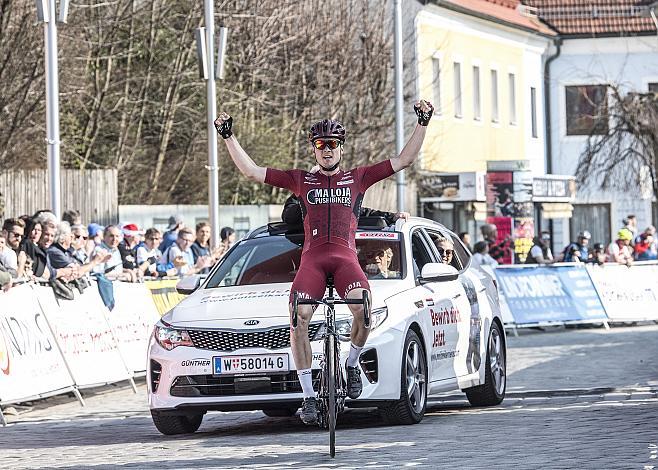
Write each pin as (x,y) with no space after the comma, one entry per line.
(276,259)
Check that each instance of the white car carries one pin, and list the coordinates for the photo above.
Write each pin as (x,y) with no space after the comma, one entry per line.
(436,327)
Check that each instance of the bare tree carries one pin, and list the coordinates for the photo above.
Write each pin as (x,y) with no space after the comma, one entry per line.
(131,98)
(22,92)
(626,156)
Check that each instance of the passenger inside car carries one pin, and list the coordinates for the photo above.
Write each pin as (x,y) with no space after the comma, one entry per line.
(378,259)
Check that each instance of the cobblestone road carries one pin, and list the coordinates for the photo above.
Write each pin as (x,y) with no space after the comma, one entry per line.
(584,398)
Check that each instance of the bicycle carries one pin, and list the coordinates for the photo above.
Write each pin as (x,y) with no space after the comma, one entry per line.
(333,386)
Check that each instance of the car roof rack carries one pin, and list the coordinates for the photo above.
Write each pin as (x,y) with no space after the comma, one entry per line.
(372,223)
(282,228)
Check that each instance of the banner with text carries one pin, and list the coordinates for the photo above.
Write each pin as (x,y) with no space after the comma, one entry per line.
(555,294)
(30,362)
(628,294)
(86,339)
(132,321)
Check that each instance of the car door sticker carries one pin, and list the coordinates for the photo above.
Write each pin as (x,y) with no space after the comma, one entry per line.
(442,316)
(473,358)
(419,304)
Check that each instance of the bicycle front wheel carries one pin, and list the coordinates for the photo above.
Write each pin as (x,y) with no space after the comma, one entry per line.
(332,365)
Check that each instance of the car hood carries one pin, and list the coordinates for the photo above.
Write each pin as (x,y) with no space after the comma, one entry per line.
(262,304)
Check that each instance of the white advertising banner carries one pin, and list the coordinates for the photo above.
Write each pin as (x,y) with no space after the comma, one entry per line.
(30,362)
(86,340)
(627,294)
(132,321)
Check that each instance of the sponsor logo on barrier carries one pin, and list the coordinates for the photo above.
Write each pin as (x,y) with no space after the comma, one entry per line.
(545,285)
(4,355)
(23,338)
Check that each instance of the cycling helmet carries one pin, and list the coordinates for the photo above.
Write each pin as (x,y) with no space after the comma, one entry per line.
(327,128)
(585,234)
(624,234)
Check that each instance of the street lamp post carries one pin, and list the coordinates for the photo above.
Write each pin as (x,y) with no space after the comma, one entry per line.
(211,100)
(46,12)
(399,91)
(205,38)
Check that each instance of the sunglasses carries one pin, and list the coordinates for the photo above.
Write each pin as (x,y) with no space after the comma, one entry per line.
(81,236)
(15,235)
(447,252)
(322,144)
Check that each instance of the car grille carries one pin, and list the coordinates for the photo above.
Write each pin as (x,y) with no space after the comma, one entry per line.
(369,364)
(273,338)
(156,371)
(218,386)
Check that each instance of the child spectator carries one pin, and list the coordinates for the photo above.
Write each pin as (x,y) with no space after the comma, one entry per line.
(149,256)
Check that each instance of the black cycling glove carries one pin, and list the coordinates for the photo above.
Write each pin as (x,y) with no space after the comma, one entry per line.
(225,128)
(424,116)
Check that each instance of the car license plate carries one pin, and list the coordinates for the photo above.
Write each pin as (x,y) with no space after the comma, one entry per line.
(250,364)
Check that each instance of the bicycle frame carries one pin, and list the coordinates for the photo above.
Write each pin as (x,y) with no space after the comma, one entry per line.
(333,386)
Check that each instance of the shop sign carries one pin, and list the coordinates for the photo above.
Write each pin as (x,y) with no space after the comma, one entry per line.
(553,188)
(468,186)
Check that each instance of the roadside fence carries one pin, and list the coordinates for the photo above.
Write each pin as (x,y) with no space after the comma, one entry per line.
(50,346)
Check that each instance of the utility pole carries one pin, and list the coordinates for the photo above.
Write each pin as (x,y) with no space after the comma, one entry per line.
(46,12)
(211,100)
(399,92)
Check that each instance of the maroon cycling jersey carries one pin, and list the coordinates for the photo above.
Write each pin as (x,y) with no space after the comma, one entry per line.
(330,204)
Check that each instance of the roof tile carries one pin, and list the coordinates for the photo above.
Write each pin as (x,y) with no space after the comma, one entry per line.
(504,10)
(595,17)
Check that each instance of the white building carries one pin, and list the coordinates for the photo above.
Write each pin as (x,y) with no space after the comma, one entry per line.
(601,43)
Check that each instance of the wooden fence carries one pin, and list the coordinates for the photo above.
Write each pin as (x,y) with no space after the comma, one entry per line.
(93,192)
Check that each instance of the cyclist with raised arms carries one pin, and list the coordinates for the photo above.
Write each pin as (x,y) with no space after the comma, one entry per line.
(331,201)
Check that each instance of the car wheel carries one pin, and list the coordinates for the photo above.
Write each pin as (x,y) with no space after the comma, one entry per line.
(170,424)
(280,412)
(410,408)
(492,391)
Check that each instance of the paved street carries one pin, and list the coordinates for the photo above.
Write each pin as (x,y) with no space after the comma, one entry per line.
(576,398)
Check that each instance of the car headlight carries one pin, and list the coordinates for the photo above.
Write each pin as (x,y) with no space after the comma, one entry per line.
(344,325)
(169,337)
(377,317)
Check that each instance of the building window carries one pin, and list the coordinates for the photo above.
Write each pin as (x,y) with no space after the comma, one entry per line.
(457,72)
(512,98)
(533,110)
(595,218)
(494,96)
(653,87)
(477,108)
(587,109)
(436,84)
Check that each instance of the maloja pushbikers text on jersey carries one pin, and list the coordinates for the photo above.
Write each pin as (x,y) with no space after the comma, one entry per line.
(330,204)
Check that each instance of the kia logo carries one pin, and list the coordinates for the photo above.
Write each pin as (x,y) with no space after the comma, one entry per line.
(251,322)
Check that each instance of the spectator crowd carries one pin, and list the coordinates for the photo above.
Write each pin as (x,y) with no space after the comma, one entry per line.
(629,246)
(66,253)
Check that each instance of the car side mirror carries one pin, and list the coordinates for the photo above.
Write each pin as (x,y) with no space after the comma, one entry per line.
(438,272)
(189,284)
